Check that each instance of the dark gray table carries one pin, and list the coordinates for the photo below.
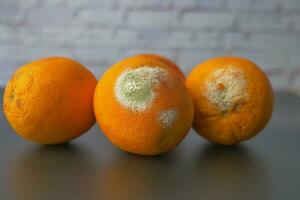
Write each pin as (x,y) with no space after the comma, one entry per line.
(266,167)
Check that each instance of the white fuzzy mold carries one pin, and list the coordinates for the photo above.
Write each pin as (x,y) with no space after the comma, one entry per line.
(168,117)
(227,88)
(135,88)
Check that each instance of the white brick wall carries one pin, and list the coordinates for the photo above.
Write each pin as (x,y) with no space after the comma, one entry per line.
(98,17)
(99,33)
(152,19)
(207,20)
(260,22)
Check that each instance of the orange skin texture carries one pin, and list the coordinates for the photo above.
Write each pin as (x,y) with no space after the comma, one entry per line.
(50,101)
(166,61)
(139,132)
(234,127)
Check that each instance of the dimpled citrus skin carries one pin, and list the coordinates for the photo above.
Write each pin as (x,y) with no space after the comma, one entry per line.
(166,61)
(50,101)
(140,131)
(233,99)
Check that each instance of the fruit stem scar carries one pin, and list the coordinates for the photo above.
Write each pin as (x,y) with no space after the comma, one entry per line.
(227,89)
(220,86)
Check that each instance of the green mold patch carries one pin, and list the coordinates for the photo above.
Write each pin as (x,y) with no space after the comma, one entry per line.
(134,88)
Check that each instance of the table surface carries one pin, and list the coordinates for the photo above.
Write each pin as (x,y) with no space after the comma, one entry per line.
(90,167)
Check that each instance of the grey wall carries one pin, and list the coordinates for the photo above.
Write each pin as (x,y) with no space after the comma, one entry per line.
(100,32)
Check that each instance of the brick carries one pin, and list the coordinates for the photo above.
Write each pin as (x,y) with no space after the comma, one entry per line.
(126,38)
(251,5)
(186,4)
(48,16)
(62,41)
(290,4)
(179,40)
(8,34)
(286,43)
(95,55)
(52,31)
(93,38)
(124,4)
(27,31)
(265,5)
(212,3)
(187,40)
(153,35)
(46,36)
(239,5)
(190,58)
(158,39)
(91,4)
(65,4)
(295,22)
(75,5)
(143,5)
(271,43)
(164,39)
(100,17)
(207,41)
(215,21)
(234,40)
(152,19)
(260,22)
(17,4)
(11,16)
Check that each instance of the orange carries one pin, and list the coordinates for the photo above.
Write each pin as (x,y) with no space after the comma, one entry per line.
(143,106)
(233,99)
(166,61)
(50,100)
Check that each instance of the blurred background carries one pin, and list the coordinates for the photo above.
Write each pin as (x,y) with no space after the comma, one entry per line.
(98,33)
